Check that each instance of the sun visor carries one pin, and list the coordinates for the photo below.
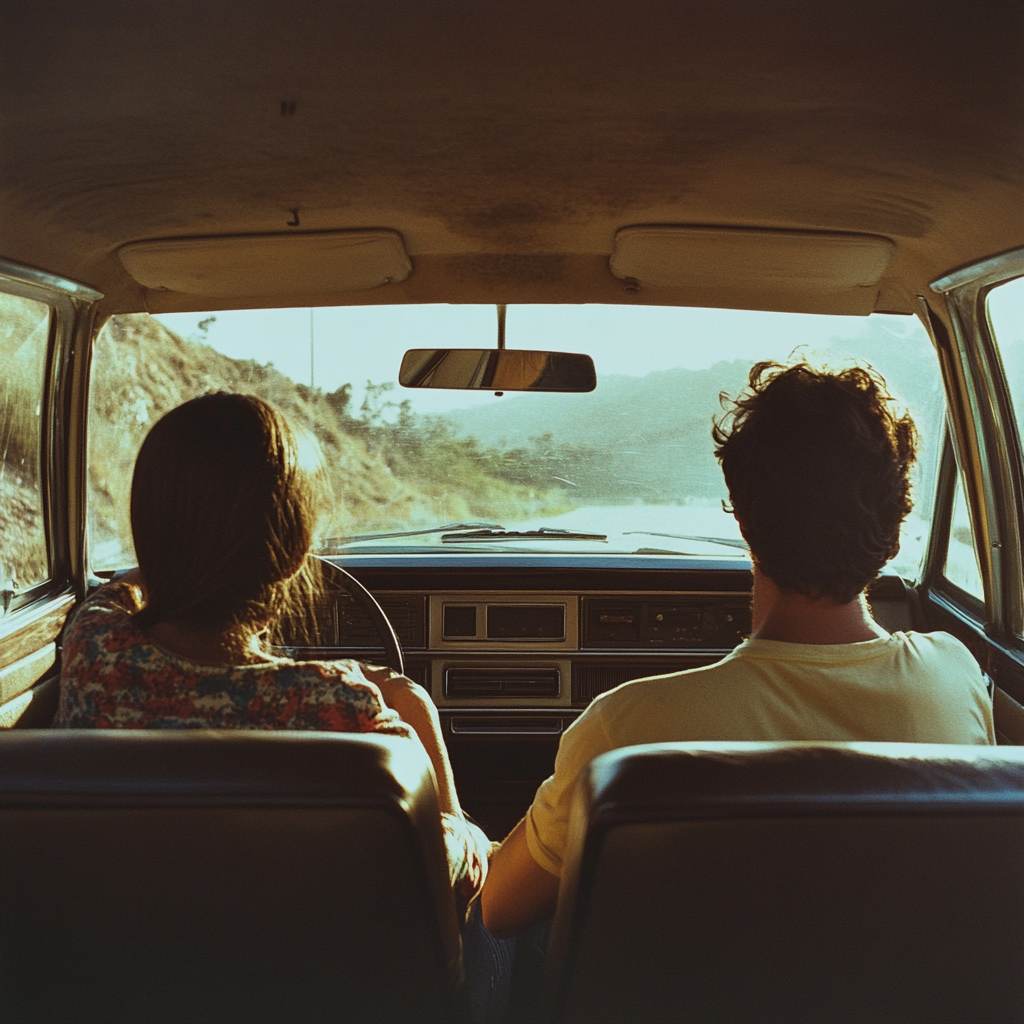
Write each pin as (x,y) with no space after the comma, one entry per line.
(797,271)
(308,263)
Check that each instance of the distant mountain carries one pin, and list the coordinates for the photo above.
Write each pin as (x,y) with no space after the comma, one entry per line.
(649,438)
(634,438)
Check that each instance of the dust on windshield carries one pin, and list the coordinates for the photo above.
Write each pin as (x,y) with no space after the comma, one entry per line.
(627,468)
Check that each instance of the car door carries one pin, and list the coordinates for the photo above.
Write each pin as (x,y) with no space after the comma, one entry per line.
(974,576)
(45,325)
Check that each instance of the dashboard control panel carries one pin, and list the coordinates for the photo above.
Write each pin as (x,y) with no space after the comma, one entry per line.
(513,622)
(540,622)
(678,622)
(536,652)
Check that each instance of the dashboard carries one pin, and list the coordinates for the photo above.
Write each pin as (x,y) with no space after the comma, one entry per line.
(513,647)
(487,633)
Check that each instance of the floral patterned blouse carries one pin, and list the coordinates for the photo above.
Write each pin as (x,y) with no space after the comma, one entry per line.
(114,677)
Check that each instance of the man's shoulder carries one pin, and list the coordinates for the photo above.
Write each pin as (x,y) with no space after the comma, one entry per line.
(937,652)
(938,642)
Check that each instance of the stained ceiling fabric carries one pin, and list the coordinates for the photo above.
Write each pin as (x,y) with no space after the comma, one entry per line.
(507,144)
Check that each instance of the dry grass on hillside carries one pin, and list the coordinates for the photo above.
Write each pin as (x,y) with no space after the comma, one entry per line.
(24,334)
(141,370)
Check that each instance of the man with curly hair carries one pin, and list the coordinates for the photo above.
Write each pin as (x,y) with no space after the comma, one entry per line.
(817,465)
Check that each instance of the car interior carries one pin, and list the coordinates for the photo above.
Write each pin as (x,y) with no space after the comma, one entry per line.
(546,237)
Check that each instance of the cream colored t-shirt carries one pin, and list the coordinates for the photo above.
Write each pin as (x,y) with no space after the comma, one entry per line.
(908,687)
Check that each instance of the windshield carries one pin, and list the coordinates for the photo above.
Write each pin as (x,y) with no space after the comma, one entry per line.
(627,468)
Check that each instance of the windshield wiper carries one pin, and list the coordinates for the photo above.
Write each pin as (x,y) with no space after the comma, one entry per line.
(497,533)
(725,541)
(451,527)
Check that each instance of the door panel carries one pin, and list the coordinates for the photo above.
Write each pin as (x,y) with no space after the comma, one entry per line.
(954,612)
(1003,664)
(28,664)
(952,609)
(1009,717)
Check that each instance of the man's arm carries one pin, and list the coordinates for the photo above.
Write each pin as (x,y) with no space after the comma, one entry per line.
(518,891)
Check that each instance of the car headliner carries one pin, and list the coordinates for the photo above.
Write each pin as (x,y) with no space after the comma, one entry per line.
(507,142)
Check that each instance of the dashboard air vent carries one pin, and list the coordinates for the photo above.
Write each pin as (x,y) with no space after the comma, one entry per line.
(407,614)
(501,682)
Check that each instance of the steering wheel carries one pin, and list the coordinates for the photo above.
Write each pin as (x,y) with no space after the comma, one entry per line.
(393,656)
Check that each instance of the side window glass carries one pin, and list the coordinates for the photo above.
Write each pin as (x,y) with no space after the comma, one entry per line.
(1006,315)
(961,567)
(24,341)
(1006,319)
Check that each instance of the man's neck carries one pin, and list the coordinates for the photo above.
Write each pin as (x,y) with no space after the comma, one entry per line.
(795,619)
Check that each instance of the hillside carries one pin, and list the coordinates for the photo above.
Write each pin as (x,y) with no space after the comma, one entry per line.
(649,438)
(633,439)
(141,370)
(24,327)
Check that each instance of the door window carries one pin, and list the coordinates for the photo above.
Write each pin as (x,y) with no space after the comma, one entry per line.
(961,567)
(1006,317)
(1006,320)
(24,342)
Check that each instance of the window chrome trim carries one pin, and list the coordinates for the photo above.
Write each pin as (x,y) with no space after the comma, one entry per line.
(49,282)
(933,569)
(994,270)
(966,449)
(991,436)
(63,455)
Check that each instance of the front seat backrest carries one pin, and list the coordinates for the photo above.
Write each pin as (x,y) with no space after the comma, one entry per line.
(791,882)
(222,876)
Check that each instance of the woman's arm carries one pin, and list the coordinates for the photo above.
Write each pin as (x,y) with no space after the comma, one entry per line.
(417,710)
(466,845)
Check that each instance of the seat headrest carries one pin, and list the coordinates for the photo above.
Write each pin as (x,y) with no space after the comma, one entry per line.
(223,875)
(171,767)
(793,881)
(701,780)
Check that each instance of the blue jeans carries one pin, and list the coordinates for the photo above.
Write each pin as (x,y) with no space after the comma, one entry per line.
(528,976)
(488,964)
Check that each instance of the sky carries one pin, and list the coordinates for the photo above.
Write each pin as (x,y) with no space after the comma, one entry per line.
(1006,311)
(353,344)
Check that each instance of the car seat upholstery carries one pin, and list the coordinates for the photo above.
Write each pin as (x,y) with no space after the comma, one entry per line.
(793,882)
(228,876)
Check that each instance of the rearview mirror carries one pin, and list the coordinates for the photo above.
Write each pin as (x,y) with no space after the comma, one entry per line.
(489,369)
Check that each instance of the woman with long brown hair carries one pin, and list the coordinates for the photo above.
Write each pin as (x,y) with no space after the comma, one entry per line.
(223,514)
